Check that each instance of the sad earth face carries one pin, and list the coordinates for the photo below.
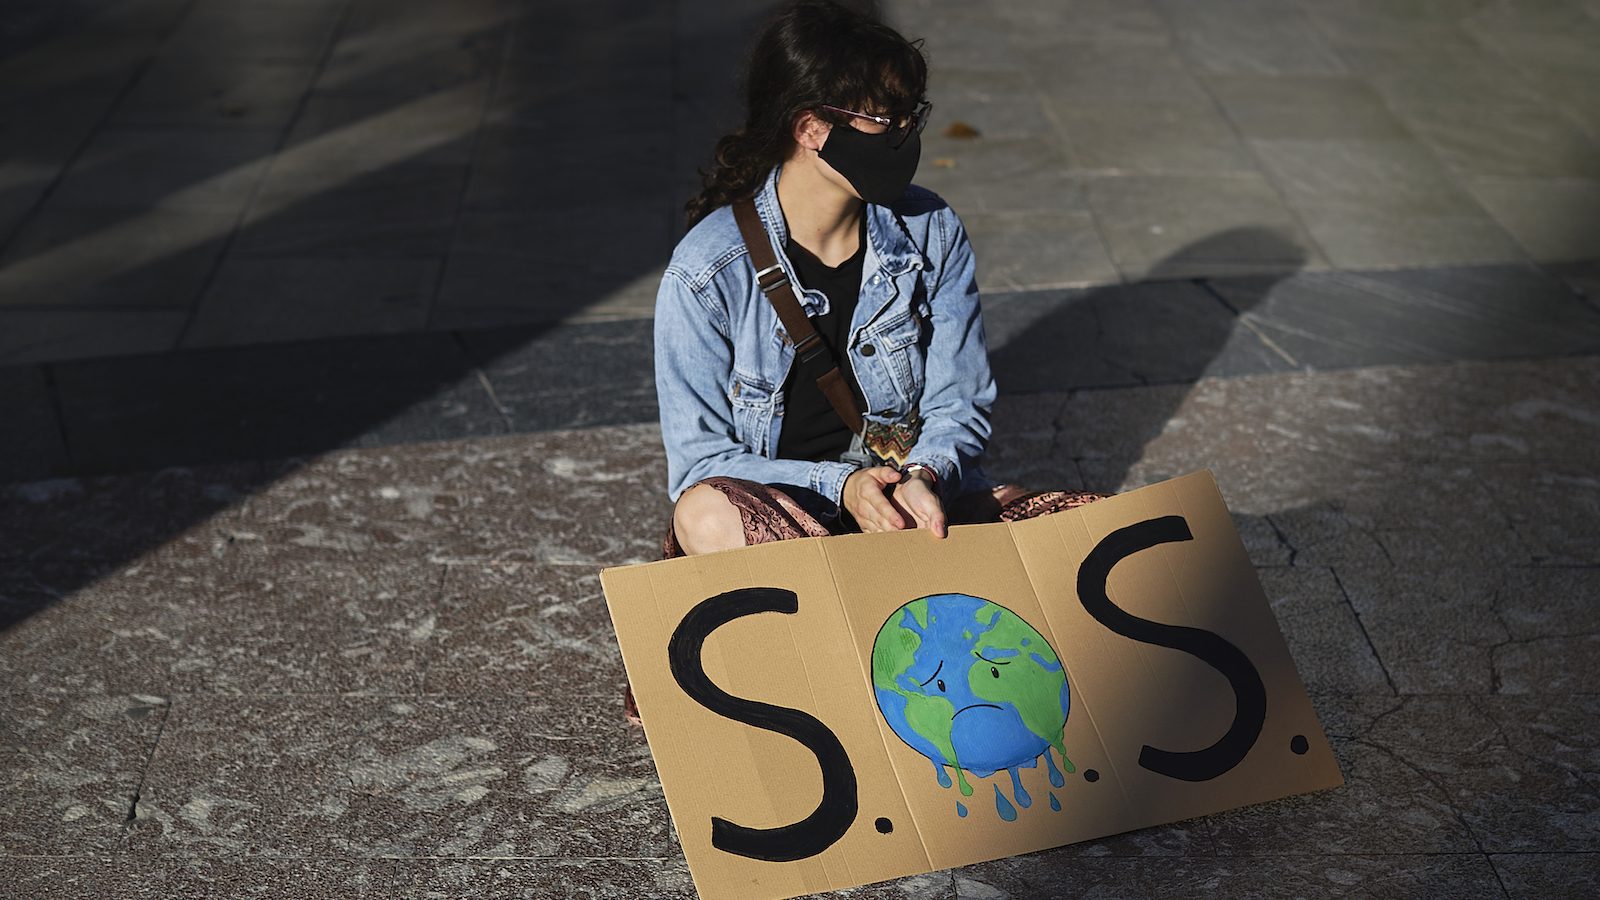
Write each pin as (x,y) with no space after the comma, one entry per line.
(971,686)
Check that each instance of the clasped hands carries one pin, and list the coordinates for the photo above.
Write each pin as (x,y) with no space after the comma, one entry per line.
(882,499)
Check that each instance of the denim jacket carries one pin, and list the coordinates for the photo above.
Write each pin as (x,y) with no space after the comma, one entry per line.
(916,342)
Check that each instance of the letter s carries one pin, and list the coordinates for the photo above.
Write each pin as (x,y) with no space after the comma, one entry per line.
(1249,694)
(837,809)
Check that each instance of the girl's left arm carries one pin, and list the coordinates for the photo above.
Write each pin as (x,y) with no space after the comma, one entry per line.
(959,390)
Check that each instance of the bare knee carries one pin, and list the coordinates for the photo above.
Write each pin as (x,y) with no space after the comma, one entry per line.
(705,521)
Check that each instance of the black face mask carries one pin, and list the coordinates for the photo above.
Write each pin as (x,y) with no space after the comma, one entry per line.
(880,173)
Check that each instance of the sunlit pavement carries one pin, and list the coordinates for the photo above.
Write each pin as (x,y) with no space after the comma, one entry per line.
(326,378)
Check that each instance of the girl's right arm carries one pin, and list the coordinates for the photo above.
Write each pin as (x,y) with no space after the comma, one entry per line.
(694,373)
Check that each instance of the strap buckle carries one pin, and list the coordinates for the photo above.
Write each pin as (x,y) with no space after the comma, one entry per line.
(776,283)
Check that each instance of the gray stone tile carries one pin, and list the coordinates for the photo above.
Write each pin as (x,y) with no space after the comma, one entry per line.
(208,406)
(522,628)
(1394,177)
(548,378)
(79,57)
(215,90)
(124,258)
(1330,649)
(1403,24)
(1101,22)
(23,180)
(1553,632)
(143,876)
(625,170)
(1021,251)
(404,210)
(1095,74)
(339,137)
(408,54)
(249,620)
(1436,629)
(1051,874)
(1354,239)
(1104,337)
(1271,39)
(1152,138)
(1553,508)
(1171,226)
(550,265)
(180,168)
(1002,174)
(1443,72)
(33,446)
(1024,448)
(1519,771)
(70,768)
(1553,219)
(1526,141)
(1339,319)
(998,104)
(503,499)
(555,879)
(105,520)
(255,300)
(1384,807)
(36,336)
(1558,34)
(1306,107)
(402,777)
(1528,876)
(277,30)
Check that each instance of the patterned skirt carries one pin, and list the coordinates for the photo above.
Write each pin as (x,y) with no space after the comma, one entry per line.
(771,514)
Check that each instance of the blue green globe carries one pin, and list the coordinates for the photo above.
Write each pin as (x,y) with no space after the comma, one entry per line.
(971,686)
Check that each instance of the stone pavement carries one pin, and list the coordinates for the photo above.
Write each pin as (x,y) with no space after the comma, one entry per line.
(319,320)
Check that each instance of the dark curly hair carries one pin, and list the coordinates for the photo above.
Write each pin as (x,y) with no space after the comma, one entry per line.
(812,52)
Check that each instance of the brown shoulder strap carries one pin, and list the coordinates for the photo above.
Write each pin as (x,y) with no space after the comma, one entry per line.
(807,343)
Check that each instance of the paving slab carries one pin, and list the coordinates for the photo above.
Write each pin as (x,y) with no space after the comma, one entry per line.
(1272,39)
(257,300)
(217,91)
(70,769)
(1554,219)
(111,520)
(1399,875)
(264,402)
(403,210)
(548,378)
(246,621)
(1481,312)
(1527,876)
(1100,337)
(37,448)
(1038,250)
(144,876)
(515,629)
(1514,769)
(560,775)
(1173,226)
(190,168)
(1552,508)
(117,258)
(505,499)
(555,879)
(277,30)
(1304,107)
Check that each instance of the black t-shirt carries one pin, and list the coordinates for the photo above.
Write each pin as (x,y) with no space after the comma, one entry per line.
(811,428)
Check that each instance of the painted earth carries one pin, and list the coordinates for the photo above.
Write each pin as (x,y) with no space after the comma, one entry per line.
(971,686)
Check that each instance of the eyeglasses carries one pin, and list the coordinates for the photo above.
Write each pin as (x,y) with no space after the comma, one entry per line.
(899,130)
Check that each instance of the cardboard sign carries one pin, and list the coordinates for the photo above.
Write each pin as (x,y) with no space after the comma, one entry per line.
(831,712)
